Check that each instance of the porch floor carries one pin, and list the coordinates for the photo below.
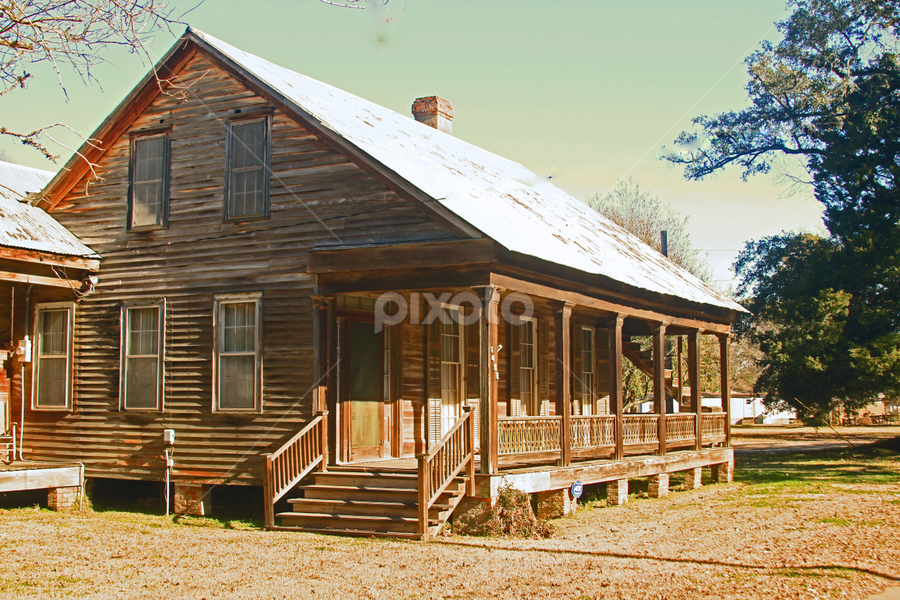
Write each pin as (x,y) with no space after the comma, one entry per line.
(24,475)
(545,477)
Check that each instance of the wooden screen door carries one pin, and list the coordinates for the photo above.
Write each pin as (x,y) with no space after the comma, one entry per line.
(367,433)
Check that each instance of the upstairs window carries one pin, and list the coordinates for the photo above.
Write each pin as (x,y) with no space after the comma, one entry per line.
(149,198)
(248,169)
(53,364)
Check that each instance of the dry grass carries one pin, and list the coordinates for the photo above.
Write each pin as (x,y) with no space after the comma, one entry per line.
(817,525)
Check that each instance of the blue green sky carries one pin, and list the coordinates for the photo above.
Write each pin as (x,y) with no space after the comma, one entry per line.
(591,90)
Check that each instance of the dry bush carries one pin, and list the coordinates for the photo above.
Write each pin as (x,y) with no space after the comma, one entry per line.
(510,516)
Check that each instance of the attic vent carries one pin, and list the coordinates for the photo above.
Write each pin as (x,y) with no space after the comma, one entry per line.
(435,112)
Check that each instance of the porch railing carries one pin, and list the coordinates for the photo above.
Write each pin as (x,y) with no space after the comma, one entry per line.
(680,427)
(590,431)
(523,435)
(284,468)
(437,469)
(640,429)
(713,427)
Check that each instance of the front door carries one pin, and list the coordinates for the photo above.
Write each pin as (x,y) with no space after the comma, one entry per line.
(365,386)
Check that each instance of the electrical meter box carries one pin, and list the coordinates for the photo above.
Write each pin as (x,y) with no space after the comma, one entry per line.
(169,436)
(23,350)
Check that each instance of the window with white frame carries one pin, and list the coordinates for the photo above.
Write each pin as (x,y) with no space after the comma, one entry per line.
(528,368)
(52,387)
(586,377)
(238,352)
(248,169)
(142,342)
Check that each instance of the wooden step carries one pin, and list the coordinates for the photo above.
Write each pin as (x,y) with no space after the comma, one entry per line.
(352,507)
(377,523)
(355,532)
(367,479)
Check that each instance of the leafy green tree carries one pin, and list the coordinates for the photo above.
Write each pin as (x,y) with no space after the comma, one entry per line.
(826,310)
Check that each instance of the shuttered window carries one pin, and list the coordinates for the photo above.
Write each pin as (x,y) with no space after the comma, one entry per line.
(149,198)
(53,364)
(238,372)
(248,169)
(142,389)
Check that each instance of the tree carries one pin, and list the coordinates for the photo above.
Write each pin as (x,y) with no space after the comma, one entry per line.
(645,217)
(827,310)
(69,35)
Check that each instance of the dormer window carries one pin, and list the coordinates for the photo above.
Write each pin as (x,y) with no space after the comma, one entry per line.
(148,202)
(247,181)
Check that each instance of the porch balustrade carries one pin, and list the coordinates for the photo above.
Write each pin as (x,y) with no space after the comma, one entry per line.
(591,431)
(713,428)
(521,435)
(640,429)
(680,428)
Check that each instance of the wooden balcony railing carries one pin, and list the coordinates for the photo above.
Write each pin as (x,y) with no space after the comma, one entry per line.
(284,468)
(590,431)
(640,429)
(522,435)
(680,428)
(437,469)
(713,428)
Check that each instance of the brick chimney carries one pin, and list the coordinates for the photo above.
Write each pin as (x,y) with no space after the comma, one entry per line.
(435,112)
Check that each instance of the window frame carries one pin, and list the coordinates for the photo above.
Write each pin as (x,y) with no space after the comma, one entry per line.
(125,331)
(70,355)
(222,300)
(265,117)
(588,393)
(136,136)
(531,407)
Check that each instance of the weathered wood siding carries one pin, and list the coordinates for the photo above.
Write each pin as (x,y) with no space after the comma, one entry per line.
(317,196)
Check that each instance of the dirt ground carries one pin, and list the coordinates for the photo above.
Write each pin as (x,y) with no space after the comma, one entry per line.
(819,525)
(789,439)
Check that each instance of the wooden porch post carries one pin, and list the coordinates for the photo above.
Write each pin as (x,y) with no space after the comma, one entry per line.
(659,383)
(562,329)
(614,328)
(725,383)
(326,356)
(693,339)
(489,376)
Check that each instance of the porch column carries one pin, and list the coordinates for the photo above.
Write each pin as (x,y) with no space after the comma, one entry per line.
(614,329)
(725,382)
(562,330)
(693,339)
(324,330)
(489,376)
(659,383)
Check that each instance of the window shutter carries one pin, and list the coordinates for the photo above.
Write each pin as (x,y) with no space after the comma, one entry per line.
(473,370)
(515,371)
(601,346)
(434,382)
(577,371)
(544,365)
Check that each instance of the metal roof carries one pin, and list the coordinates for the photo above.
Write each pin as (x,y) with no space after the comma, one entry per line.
(28,227)
(504,200)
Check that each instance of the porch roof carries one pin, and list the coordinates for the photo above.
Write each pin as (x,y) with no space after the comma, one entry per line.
(28,227)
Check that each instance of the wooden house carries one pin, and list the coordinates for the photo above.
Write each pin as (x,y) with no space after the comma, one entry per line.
(44,269)
(309,288)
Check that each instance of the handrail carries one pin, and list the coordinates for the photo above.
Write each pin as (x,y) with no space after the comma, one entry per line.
(593,430)
(293,461)
(680,427)
(713,425)
(438,467)
(640,429)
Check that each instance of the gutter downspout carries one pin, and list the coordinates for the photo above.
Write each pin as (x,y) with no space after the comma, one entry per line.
(22,371)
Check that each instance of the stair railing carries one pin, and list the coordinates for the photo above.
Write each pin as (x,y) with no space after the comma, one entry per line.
(437,469)
(285,467)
